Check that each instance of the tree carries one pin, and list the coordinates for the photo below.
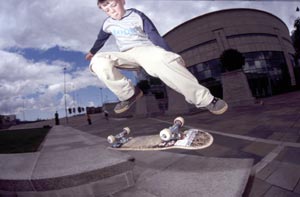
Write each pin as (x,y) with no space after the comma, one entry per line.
(232,59)
(296,38)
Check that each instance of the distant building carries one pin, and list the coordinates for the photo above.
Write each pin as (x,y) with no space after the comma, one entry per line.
(93,110)
(262,38)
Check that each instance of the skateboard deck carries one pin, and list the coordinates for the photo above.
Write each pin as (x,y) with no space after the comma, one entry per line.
(191,139)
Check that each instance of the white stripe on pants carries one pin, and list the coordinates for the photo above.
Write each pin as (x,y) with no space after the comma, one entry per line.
(157,62)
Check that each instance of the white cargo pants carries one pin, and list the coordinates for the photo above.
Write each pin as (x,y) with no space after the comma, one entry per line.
(157,62)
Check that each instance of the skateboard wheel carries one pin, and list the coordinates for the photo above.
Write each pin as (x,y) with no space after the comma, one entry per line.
(111,139)
(180,120)
(127,130)
(165,134)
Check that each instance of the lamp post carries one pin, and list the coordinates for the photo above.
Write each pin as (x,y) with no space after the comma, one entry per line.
(101,96)
(65,95)
(23,110)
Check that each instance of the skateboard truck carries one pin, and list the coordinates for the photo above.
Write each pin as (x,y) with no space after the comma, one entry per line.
(172,133)
(119,139)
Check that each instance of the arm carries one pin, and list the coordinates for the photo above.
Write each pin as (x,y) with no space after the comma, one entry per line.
(151,31)
(101,39)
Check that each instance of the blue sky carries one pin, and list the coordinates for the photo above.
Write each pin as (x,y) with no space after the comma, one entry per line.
(38,39)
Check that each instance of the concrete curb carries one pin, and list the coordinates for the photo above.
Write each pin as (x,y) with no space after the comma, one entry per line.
(68,160)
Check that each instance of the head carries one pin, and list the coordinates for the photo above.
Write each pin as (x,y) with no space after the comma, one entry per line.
(113,8)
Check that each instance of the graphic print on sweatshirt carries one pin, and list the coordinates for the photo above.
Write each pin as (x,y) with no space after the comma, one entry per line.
(128,31)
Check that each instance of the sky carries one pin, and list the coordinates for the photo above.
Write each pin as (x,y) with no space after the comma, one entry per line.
(43,45)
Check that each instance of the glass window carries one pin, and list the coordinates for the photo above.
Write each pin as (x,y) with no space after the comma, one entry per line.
(269,69)
(266,71)
(209,75)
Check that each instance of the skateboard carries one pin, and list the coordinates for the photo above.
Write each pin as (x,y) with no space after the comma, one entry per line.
(168,138)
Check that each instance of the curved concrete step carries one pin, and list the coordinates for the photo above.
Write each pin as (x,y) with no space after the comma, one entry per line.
(74,163)
(69,162)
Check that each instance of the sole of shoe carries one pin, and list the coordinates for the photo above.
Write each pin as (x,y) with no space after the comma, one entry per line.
(221,111)
(119,111)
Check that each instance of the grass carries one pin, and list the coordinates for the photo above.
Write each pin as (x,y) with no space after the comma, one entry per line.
(22,141)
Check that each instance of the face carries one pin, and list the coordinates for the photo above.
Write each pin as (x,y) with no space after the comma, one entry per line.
(113,8)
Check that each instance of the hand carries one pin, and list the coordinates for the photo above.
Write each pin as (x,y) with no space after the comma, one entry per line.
(89,56)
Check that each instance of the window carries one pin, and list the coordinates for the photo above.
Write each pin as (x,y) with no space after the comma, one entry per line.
(267,73)
(209,75)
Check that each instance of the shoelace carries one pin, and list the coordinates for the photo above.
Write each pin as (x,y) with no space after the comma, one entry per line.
(214,101)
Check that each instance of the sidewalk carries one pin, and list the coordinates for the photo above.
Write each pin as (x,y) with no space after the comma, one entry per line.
(269,134)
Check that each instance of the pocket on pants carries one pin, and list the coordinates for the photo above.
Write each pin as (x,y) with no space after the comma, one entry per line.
(170,57)
(91,70)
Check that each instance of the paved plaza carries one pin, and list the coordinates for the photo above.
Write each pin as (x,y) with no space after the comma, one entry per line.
(267,132)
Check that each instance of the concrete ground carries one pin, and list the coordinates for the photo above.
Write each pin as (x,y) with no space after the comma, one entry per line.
(268,132)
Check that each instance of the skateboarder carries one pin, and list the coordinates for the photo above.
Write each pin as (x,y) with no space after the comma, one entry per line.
(141,46)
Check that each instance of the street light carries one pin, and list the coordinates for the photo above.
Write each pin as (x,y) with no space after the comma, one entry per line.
(65,95)
(23,110)
(101,96)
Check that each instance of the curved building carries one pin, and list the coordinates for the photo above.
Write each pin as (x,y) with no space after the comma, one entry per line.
(261,37)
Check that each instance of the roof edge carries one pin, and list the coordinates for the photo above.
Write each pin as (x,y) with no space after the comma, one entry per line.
(225,10)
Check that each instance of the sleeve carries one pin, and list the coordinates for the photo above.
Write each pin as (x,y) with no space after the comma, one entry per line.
(101,39)
(151,31)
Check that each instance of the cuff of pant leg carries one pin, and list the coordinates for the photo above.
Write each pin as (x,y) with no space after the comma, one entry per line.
(206,101)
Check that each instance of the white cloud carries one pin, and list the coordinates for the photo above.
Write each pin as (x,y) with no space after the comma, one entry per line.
(21,76)
(36,84)
(44,24)
(91,104)
(74,24)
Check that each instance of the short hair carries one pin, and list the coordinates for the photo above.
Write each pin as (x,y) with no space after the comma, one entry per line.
(100,1)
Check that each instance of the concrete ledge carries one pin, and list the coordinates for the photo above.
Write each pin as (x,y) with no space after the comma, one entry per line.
(171,174)
(69,159)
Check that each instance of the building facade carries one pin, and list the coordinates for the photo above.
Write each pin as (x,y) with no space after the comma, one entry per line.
(262,38)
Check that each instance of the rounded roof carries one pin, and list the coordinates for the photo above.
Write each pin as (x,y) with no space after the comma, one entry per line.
(223,11)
